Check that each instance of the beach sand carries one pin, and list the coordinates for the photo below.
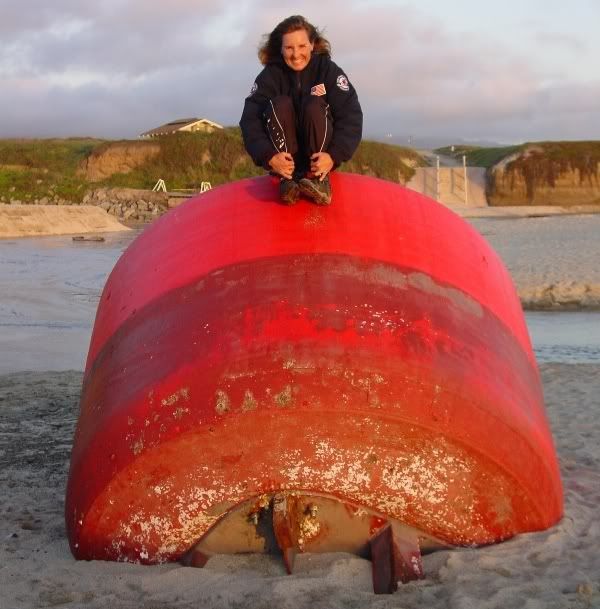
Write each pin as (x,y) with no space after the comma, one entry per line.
(554,261)
(37,220)
(557,568)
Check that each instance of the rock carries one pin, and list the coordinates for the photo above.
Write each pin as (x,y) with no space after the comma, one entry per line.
(129,203)
(585,590)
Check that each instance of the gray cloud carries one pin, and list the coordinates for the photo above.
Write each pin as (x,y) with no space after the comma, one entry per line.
(565,41)
(119,67)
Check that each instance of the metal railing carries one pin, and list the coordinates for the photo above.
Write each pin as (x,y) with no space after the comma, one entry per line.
(459,181)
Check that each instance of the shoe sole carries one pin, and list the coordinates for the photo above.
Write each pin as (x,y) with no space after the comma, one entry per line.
(307,188)
(291,197)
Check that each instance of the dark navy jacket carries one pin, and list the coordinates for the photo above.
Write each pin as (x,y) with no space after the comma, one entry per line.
(278,79)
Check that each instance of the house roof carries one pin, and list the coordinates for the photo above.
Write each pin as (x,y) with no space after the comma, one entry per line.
(178,124)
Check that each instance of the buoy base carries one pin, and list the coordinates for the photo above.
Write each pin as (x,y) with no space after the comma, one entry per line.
(293,522)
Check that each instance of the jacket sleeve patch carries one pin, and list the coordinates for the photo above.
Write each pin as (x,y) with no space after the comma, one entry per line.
(253,89)
(342,83)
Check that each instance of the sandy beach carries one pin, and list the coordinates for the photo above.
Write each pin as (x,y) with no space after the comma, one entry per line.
(554,262)
(558,568)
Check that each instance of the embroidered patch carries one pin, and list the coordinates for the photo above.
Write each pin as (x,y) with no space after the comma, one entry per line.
(253,90)
(318,89)
(342,83)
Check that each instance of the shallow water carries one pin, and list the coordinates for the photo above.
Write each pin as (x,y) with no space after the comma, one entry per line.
(50,287)
(49,291)
(572,337)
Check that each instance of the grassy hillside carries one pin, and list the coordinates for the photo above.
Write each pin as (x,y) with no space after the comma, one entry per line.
(478,156)
(32,169)
(385,161)
(185,160)
(542,163)
(567,172)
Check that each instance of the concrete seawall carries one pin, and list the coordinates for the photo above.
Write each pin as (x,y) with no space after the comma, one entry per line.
(37,220)
(451,188)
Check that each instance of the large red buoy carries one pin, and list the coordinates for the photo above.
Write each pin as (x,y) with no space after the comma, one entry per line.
(327,370)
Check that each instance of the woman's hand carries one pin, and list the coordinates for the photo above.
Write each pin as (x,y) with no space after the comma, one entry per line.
(283,164)
(321,164)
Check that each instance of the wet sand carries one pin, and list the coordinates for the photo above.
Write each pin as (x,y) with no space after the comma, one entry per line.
(557,568)
(554,261)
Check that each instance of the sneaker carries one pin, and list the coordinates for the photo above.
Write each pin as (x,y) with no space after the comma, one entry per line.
(288,191)
(317,190)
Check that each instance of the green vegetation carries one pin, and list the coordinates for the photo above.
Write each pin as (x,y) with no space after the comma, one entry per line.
(538,164)
(32,169)
(186,160)
(544,162)
(52,168)
(385,161)
(478,156)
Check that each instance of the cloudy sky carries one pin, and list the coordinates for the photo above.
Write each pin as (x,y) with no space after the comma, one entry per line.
(511,71)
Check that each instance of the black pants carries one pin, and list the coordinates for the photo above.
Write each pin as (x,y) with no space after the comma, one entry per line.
(302,135)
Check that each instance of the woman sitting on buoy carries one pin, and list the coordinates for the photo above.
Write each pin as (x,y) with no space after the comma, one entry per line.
(302,117)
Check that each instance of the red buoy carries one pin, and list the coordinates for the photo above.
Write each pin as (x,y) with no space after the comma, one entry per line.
(362,364)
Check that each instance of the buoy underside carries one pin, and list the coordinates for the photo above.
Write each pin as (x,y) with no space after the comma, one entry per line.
(303,521)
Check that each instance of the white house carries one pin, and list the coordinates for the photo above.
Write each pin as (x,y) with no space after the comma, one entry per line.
(183,124)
